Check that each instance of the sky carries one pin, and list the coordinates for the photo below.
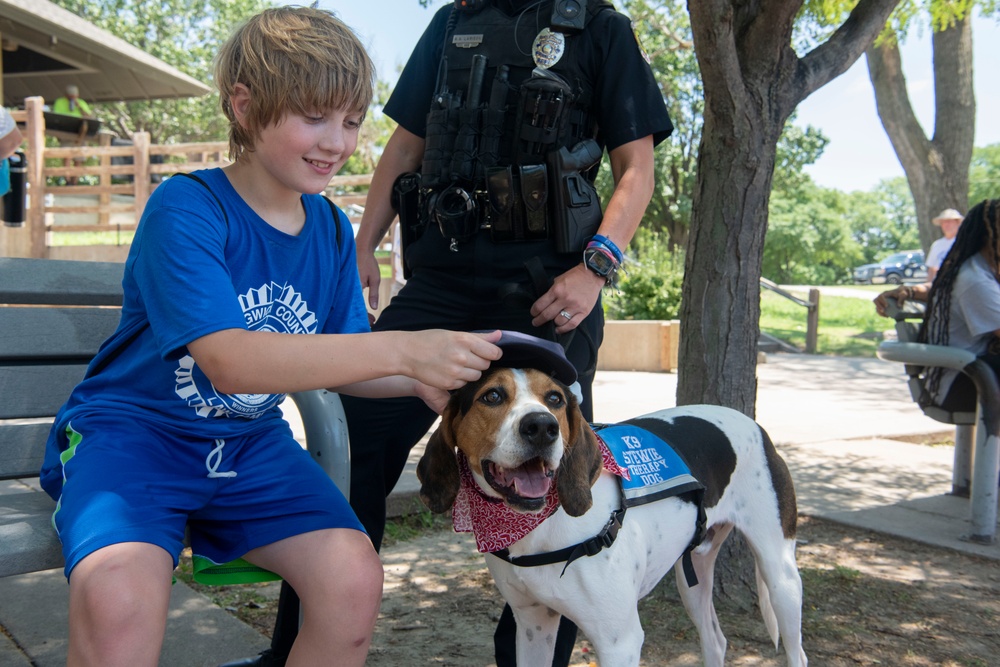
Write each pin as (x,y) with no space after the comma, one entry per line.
(859,154)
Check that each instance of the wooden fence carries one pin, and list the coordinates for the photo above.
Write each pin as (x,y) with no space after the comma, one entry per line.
(125,176)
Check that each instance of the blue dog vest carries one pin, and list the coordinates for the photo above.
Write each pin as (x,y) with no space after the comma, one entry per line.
(650,468)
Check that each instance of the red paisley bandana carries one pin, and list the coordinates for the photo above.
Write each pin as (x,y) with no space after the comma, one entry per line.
(495,525)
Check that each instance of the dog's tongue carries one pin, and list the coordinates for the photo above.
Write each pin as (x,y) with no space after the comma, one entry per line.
(529,480)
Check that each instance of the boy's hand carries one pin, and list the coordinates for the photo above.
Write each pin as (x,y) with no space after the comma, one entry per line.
(448,359)
(436,399)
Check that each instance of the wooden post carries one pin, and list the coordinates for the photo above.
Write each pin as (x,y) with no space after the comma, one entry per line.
(812,321)
(140,144)
(35,127)
(104,194)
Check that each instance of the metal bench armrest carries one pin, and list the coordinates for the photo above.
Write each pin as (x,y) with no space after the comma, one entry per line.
(326,434)
(922,354)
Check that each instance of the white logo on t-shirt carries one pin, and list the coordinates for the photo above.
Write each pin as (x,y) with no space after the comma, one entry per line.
(272,307)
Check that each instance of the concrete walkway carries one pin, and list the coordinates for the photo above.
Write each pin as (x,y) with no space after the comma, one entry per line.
(834,420)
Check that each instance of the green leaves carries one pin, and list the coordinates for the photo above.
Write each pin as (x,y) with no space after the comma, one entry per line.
(183,34)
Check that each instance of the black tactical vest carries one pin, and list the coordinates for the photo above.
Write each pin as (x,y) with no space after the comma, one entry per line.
(490,111)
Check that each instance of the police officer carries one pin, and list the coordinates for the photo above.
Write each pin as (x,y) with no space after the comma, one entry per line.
(504,110)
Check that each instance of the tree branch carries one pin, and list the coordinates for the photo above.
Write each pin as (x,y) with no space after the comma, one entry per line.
(954,97)
(836,55)
(908,138)
(715,47)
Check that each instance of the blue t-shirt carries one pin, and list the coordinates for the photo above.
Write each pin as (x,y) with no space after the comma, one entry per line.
(194,269)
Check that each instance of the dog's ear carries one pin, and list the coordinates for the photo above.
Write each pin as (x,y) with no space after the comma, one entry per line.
(437,469)
(581,464)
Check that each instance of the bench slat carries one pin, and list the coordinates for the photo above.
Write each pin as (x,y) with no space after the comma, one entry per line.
(36,391)
(29,542)
(60,282)
(54,333)
(22,447)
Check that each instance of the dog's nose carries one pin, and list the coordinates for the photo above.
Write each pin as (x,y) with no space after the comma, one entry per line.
(539,429)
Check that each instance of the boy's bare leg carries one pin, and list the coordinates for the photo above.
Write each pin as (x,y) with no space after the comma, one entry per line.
(118,602)
(338,576)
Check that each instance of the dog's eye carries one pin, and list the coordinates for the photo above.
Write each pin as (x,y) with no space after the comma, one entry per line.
(492,397)
(555,399)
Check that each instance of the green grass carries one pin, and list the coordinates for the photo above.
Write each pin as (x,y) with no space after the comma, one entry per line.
(408,526)
(111,237)
(847,326)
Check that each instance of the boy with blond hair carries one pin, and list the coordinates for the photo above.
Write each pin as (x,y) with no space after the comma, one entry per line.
(177,422)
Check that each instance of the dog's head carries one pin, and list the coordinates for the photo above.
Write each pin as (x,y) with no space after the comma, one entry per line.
(521,431)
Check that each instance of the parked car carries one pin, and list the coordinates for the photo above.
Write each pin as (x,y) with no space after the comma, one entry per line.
(897,268)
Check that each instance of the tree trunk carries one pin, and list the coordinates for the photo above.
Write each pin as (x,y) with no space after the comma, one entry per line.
(937,169)
(753,80)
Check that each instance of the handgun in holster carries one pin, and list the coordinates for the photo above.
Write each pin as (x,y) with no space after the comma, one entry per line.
(406,200)
(576,209)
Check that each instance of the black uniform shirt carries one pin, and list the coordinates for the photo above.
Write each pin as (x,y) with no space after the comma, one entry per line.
(628,103)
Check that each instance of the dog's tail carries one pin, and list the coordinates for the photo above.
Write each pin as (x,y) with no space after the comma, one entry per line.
(766,610)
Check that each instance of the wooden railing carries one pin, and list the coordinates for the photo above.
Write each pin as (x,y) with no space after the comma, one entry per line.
(125,176)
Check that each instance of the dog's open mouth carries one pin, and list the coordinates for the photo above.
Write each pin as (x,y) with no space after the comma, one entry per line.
(525,486)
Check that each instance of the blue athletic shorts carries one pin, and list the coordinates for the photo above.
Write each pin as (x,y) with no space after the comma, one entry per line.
(129,481)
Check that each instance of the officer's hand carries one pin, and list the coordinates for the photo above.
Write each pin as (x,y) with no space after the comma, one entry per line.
(574,293)
(368,272)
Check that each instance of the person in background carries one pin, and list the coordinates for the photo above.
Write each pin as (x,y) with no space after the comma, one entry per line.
(10,135)
(504,108)
(71,105)
(948,220)
(10,140)
(241,286)
(963,303)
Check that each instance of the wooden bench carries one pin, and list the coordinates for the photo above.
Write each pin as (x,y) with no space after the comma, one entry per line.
(977,432)
(53,317)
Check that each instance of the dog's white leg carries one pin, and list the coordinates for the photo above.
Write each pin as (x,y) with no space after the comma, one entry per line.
(764,603)
(537,626)
(617,642)
(776,566)
(698,600)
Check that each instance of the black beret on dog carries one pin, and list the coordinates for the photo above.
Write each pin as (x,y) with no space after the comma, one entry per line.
(524,351)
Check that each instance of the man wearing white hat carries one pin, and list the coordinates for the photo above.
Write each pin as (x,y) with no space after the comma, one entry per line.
(948,220)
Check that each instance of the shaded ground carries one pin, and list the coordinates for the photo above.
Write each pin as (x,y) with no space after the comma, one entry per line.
(870,599)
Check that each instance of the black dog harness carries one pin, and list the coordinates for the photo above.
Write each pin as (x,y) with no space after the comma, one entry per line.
(683,485)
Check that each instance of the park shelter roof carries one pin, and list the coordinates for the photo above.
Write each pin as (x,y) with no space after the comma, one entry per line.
(46,48)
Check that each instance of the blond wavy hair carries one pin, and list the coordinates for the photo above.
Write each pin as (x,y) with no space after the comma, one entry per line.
(294,60)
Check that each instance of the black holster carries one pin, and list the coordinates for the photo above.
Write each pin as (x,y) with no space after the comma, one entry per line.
(576,209)
(406,200)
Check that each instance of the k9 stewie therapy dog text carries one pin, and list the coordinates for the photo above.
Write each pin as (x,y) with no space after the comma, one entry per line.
(517,439)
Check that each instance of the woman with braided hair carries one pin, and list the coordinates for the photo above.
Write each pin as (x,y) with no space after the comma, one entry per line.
(963,303)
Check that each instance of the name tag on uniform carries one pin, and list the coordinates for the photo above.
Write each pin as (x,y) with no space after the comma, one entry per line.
(467,41)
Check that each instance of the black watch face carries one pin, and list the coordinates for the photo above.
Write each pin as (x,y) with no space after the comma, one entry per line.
(600,263)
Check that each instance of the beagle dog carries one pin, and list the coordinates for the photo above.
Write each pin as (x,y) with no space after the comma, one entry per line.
(520,467)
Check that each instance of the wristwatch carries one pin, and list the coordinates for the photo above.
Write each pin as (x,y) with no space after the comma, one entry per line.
(601,263)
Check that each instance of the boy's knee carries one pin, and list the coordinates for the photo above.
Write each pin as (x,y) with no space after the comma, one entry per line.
(368,577)
(363,578)
(120,581)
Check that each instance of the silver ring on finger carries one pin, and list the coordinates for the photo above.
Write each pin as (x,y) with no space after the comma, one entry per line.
(567,315)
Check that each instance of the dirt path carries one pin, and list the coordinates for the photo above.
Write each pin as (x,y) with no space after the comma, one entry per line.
(870,600)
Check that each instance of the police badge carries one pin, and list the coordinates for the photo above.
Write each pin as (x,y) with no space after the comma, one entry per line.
(548,48)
